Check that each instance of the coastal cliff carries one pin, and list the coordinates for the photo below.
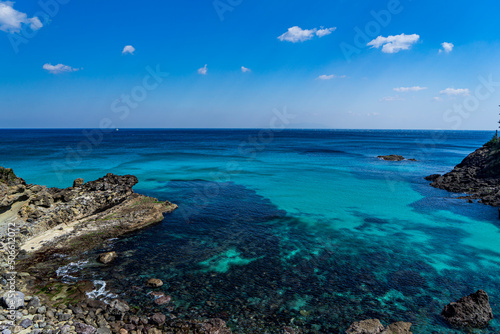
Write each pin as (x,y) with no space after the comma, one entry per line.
(78,217)
(478,176)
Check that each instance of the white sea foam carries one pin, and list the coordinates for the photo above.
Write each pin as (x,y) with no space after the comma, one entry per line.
(100,291)
(65,271)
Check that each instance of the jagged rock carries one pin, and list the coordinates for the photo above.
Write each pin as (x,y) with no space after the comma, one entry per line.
(473,311)
(391,157)
(42,199)
(78,183)
(63,195)
(478,175)
(154,282)
(105,208)
(13,300)
(370,326)
(374,326)
(107,257)
(8,177)
(162,300)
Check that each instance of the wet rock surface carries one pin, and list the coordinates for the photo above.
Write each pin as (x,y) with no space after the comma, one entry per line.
(473,311)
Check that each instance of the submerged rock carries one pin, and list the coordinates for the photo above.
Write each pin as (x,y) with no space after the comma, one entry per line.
(215,326)
(399,327)
(370,326)
(162,300)
(473,311)
(374,326)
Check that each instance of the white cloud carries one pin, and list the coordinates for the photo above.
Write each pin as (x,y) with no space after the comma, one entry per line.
(324,32)
(203,70)
(128,49)
(394,44)
(447,47)
(244,69)
(331,76)
(455,92)
(59,68)
(12,20)
(409,89)
(391,98)
(437,99)
(297,34)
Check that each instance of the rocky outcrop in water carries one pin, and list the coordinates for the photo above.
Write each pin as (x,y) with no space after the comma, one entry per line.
(374,326)
(394,157)
(76,217)
(473,311)
(478,176)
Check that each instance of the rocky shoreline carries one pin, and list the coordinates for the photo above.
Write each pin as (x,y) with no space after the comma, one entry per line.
(477,176)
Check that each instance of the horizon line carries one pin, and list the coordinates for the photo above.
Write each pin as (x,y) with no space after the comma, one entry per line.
(241,128)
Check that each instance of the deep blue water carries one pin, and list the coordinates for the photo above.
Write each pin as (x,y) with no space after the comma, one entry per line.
(303,227)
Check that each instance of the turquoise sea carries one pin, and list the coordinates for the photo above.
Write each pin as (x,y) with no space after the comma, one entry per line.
(294,227)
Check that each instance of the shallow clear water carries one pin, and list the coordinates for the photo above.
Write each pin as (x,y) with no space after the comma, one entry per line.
(307,227)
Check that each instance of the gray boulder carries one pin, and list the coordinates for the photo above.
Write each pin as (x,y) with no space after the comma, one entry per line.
(13,300)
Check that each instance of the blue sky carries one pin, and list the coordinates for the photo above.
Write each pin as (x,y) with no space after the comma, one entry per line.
(330,64)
